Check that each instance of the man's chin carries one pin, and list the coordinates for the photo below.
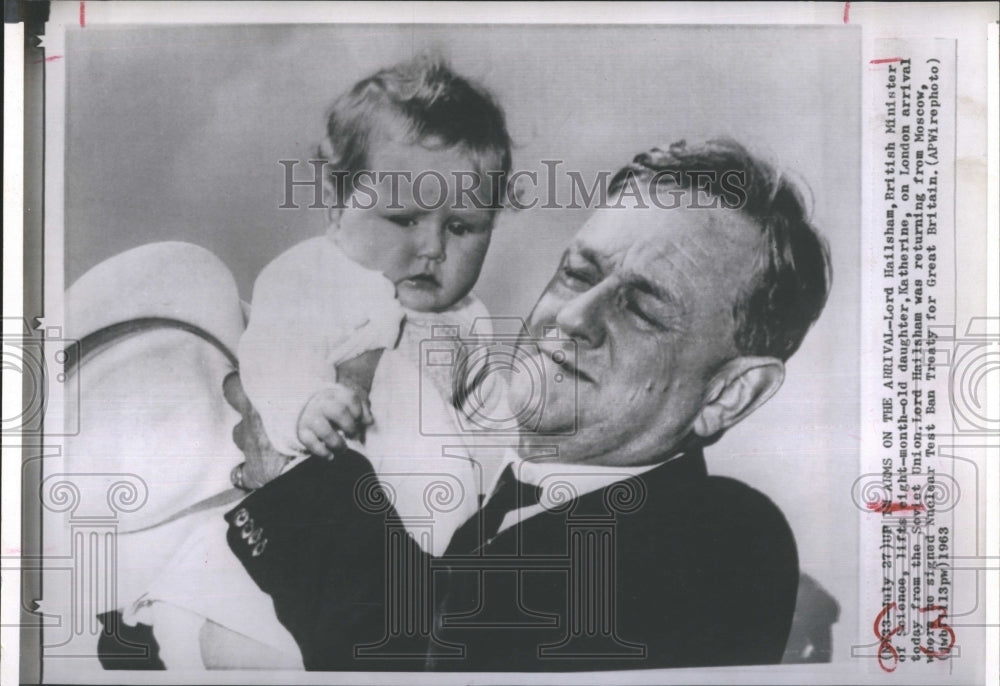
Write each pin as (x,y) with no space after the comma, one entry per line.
(556,446)
(537,448)
(547,431)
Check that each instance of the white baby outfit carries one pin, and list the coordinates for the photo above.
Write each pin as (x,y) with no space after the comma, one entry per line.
(313,308)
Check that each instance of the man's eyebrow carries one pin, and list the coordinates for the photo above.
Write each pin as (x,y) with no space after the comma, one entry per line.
(634,280)
(589,255)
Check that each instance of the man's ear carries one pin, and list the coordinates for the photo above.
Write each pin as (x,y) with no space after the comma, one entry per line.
(740,387)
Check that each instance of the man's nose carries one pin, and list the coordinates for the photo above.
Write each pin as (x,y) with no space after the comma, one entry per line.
(582,317)
(431,240)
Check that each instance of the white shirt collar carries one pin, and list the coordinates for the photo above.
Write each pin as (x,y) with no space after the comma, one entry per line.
(562,481)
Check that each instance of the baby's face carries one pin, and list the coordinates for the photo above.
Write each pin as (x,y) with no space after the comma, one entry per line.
(408,227)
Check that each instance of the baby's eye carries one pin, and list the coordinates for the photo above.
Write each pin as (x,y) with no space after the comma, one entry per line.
(403,220)
(460,228)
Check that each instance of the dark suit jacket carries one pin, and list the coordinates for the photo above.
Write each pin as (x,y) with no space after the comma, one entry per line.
(670,568)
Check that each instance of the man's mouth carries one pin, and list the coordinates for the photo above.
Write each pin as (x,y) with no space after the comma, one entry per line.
(562,360)
(421,282)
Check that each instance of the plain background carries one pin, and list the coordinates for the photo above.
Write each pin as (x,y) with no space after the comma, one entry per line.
(175,134)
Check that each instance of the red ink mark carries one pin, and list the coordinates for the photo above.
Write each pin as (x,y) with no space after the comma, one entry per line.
(847,12)
(888,507)
(83,14)
(939,624)
(48,59)
(886,60)
(884,645)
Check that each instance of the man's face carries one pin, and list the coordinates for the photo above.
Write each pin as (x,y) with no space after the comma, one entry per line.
(646,294)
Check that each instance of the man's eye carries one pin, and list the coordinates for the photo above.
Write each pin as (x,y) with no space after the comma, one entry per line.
(636,310)
(403,220)
(576,278)
(641,315)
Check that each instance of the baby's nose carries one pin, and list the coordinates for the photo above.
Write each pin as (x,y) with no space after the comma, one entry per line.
(431,241)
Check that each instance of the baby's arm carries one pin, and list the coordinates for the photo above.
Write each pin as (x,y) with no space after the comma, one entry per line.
(342,409)
(309,353)
(284,350)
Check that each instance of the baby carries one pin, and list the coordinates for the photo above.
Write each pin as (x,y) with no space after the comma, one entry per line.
(405,238)
(417,164)
(418,157)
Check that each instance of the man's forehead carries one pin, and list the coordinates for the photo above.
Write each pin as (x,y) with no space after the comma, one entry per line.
(614,231)
(675,247)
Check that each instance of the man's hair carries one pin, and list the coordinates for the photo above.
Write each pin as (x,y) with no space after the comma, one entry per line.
(430,105)
(792,271)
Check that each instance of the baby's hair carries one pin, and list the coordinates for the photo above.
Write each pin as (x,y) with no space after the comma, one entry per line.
(432,106)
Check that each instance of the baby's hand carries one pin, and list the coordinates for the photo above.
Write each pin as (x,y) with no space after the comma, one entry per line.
(332,414)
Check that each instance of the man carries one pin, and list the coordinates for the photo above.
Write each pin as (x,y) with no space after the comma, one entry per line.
(671,314)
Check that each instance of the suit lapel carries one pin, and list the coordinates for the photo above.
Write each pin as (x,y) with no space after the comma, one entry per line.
(681,472)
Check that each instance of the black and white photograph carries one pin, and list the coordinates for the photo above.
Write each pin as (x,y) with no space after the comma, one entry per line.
(508,349)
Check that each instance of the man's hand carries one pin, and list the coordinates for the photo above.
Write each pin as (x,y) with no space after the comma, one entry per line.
(263,462)
(331,414)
